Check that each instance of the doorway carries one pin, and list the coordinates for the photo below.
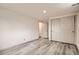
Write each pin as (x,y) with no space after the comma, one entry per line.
(43,29)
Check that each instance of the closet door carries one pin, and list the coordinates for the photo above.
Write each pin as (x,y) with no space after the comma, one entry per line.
(63,29)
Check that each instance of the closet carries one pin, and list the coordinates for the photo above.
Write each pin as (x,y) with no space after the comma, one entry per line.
(62,29)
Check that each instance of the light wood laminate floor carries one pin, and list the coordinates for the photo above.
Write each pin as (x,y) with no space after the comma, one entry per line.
(42,47)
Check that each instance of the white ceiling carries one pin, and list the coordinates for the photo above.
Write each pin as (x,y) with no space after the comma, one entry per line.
(36,10)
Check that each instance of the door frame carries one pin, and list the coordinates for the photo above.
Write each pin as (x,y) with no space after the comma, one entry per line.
(50,25)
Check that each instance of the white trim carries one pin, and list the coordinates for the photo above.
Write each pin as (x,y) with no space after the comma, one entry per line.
(50,30)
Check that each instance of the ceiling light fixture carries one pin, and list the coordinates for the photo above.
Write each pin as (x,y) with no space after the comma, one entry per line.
(44,11)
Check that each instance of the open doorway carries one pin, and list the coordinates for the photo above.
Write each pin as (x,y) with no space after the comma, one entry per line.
(43,29)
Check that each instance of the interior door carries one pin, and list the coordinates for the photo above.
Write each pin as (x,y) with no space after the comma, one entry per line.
(63,29)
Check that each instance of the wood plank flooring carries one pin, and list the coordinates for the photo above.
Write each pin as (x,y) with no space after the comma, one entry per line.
(42,47)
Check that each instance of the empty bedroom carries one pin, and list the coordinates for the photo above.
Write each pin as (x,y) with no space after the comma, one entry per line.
(39,28)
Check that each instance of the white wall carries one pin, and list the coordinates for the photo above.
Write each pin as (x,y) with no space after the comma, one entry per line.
(77,30)
(16,29)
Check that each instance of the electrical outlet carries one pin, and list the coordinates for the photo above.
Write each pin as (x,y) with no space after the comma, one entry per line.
(24,39)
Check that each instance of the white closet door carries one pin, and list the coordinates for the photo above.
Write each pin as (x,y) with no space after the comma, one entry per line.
(63,29)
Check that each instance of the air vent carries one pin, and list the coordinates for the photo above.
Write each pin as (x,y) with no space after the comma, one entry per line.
(77,4)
